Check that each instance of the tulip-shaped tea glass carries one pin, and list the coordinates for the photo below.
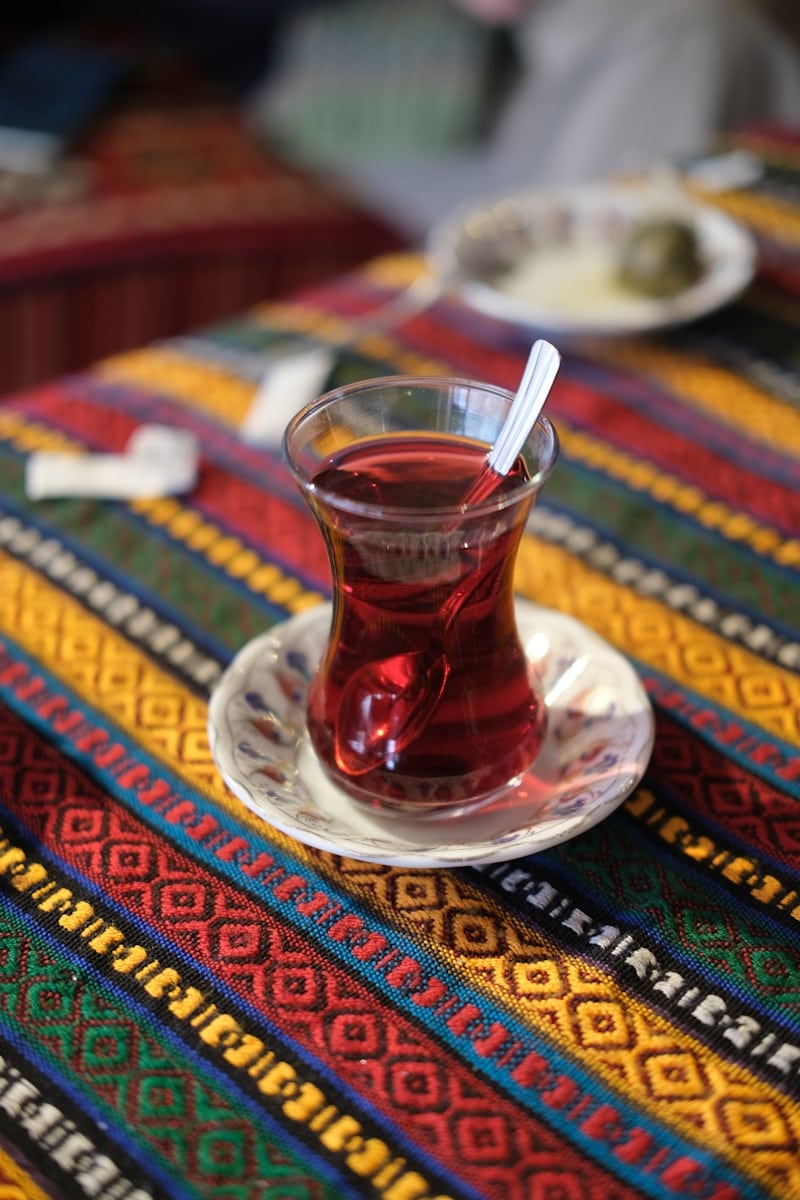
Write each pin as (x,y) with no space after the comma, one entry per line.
(424,702)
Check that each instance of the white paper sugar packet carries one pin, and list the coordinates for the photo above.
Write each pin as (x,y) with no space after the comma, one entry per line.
(158,461)
(287,385)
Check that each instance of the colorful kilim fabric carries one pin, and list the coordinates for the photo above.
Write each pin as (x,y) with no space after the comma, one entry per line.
(194,1004)
(182,219)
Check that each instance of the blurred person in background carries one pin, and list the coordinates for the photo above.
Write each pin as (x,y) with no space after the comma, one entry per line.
(610,84)
(591,88)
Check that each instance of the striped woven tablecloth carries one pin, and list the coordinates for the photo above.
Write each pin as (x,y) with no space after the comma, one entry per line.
(193,1004)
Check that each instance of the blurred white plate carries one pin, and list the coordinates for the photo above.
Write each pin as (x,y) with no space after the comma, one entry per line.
(566,282)
(597,744)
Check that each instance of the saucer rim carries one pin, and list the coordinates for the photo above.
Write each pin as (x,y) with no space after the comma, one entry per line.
(454,853)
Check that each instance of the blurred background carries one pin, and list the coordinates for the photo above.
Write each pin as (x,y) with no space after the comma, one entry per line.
(168,164)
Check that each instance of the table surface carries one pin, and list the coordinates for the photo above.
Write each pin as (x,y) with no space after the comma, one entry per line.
(194,1004)
(170,216)
(152,179)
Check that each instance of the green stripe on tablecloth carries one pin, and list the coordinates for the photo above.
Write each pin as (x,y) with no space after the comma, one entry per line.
(737,575)
(179,1116)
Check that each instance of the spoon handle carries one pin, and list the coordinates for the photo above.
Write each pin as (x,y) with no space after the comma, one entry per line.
(537,379)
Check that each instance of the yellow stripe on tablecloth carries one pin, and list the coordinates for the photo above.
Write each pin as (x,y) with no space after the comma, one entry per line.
(665,640)
(30,436)
(169,723)
(222,550)
(398,270)
(224,395)
(112,676)
(16,1184)
(108,673)
(225,552)
(684,498)
(747,873)
(331,328)
(776,219)
(711,389)
(206,387)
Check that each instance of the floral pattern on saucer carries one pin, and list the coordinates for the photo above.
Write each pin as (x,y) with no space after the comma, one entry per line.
(598,742)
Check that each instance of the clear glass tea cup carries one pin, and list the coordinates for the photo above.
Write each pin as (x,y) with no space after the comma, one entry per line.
(424,702)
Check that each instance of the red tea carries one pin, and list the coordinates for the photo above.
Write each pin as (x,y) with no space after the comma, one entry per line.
(398,562)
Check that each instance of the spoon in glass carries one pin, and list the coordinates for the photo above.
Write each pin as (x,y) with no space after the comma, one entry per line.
(401,692)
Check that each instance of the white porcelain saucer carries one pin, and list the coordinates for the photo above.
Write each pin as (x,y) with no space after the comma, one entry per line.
(598,742)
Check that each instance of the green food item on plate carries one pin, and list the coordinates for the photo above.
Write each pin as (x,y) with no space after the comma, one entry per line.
(660,257)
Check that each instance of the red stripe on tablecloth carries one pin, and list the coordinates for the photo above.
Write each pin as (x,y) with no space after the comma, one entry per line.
(716,789)
(281,528)
(631,430)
